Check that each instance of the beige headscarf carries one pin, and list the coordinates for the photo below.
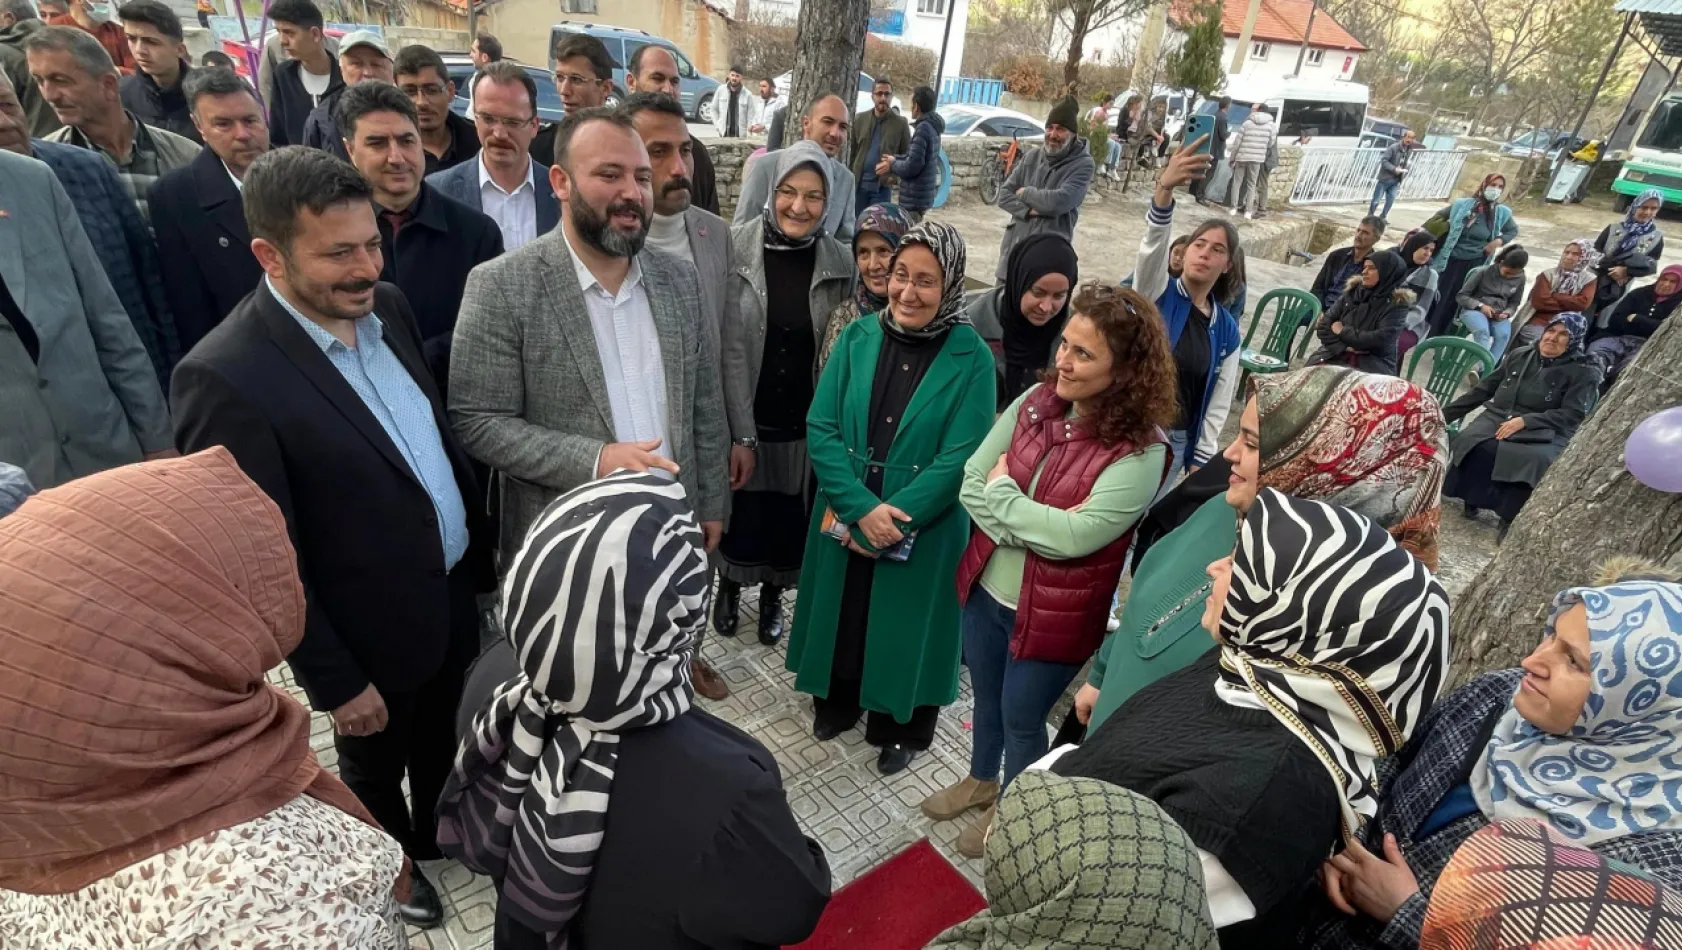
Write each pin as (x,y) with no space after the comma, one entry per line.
(139,611)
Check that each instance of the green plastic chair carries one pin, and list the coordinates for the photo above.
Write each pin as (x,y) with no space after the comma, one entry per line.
(1453,358)
(1295,309)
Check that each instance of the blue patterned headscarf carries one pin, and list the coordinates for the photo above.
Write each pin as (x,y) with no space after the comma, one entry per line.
(1632,231)
(1577,325)
(1619,770)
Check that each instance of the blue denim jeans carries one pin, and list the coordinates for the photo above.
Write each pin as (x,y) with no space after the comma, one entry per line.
(1385,190)
(1012,697)
(1114,154)
(872,193)
(1491,334)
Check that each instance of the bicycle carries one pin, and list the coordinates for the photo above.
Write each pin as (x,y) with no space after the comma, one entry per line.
(997,168)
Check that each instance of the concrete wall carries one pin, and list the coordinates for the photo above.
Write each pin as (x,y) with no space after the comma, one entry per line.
(699,31)
(439,39)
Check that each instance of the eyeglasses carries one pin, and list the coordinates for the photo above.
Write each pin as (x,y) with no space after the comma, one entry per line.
(1104,293)
(496,121)
(574,79)
(430,90)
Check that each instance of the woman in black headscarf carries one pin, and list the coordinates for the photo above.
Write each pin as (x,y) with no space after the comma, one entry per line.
(1027,312)
(1362,328)
(610,812)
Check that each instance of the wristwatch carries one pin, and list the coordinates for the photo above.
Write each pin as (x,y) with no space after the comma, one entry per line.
(747,442)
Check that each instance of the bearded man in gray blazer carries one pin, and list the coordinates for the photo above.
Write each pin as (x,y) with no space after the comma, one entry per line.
(576,355)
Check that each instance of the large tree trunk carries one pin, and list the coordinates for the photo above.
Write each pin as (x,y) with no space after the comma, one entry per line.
(828,53)
(1079,26)
(1586,510)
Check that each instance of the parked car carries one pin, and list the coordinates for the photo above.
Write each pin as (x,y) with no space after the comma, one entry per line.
(1537,143)
(695,90)
(785,82)
(549,106)
(965,120)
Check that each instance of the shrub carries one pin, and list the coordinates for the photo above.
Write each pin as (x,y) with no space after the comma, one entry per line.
(907,66)
(1030,76)
(762,49)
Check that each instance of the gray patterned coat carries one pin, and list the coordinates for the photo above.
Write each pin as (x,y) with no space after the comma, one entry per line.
(527,393)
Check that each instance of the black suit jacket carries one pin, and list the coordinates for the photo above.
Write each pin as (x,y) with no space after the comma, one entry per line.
(428,258)
(204,247)
(364,528)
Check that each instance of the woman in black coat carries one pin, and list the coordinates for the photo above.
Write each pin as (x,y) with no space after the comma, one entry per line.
(1533,404)
(1362,328)
(605,807)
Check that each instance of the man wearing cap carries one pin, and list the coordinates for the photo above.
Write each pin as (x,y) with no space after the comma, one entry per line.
(1044,191)
(362,55)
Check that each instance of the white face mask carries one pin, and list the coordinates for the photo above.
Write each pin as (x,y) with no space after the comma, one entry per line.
(100,11)
(1492,194)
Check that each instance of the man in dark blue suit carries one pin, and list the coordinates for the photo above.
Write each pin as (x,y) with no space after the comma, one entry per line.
(112,223)
(504,181)
(204,247)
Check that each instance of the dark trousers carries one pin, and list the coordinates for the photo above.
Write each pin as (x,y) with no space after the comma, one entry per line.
(841,710)
(418,741)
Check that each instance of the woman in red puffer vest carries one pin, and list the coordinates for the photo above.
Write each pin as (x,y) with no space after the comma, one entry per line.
(1054,492)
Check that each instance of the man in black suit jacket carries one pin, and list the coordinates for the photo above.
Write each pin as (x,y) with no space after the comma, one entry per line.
(431,241)
(204,248)
(315,383)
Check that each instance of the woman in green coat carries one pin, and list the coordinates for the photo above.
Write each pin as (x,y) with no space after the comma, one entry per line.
(905,399)
(1374,444)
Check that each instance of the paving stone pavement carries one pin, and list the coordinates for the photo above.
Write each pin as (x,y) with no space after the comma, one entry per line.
(860,817)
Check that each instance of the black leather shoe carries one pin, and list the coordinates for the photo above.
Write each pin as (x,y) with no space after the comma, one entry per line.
(825,731)
(1470,512)
(727,607)
(424,909)
(893,759)
(771,622)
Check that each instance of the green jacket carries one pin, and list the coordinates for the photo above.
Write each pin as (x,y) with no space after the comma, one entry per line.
(896,140)
(1161,628)
(912,649)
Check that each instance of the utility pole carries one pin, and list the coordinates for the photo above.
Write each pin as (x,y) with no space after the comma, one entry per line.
(1144,78)
(940,65)
(1243,50)
(1302,52)
(472,23)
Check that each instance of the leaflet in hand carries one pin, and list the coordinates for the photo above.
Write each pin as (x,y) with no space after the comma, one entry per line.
(840,531)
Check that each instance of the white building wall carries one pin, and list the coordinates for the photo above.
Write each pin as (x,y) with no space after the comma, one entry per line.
(924,29)
(1280,62)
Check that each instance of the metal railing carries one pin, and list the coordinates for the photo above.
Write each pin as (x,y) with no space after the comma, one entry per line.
(1347,175)
(981,92)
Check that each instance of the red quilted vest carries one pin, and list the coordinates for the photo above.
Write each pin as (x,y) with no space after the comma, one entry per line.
(1062,609)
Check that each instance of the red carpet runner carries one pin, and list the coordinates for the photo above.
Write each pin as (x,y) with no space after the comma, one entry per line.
(900,905)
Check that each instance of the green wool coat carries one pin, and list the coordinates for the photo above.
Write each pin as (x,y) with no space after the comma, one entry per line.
(913,646)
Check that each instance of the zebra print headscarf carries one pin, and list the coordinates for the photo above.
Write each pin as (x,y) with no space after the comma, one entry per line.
(1338,631)
(602,606)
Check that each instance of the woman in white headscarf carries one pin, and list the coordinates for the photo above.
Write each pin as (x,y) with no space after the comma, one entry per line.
(609,810)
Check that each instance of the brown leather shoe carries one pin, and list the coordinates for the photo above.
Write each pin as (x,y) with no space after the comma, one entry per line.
(954,800)
(707,681)
(972,841)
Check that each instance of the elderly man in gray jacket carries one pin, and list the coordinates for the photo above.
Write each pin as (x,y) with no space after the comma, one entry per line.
(1045,190)
(577,355)
(78,394)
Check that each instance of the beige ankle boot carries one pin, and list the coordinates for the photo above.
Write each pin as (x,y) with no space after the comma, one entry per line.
(972,841)
(949,803)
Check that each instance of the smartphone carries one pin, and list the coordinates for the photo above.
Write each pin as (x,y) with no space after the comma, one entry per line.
(1204,126)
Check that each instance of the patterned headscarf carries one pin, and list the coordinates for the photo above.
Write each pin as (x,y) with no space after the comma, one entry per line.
(1577,325)
(1630,231)
(1341,634)
(1075,863)
(1619,770)
(1376,445)
(790,160)
(1519,884)
(602,605)
(890,222)
(948,247)
(1574,280)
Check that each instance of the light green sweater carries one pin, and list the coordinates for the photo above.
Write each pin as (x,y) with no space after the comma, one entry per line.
(1019,524)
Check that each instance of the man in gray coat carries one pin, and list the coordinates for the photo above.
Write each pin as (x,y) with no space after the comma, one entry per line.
(1045,189)
(79,391)
(826,122)
(576,355)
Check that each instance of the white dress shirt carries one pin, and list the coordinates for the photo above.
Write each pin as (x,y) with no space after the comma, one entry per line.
(239,186)
(515,212)
(629,347)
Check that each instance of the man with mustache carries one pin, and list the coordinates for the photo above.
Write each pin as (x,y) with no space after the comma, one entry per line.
(654,69)
(826,122)
(430,240)
(578,355)
(204,248)
(688,233)
(504,182)
(448,139)
(316,384)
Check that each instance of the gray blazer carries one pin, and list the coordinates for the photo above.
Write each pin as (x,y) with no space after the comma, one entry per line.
(838,215)
(527,394)
(709,243)
(92,401)
(833,273)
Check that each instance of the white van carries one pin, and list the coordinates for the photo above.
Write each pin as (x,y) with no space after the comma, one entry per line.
(1328,113)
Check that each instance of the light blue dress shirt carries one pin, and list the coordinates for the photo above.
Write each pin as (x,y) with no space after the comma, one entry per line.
(396,400)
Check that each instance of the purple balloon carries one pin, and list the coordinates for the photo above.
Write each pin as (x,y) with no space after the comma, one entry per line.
(1653,453)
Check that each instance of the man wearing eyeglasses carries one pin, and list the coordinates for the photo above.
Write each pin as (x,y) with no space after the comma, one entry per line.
(447,139)
(583,78)
(504,183)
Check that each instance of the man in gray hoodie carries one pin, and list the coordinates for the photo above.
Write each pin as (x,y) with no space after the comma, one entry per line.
(1045,189)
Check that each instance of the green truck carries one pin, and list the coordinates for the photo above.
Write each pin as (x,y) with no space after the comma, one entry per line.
(1655,160)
